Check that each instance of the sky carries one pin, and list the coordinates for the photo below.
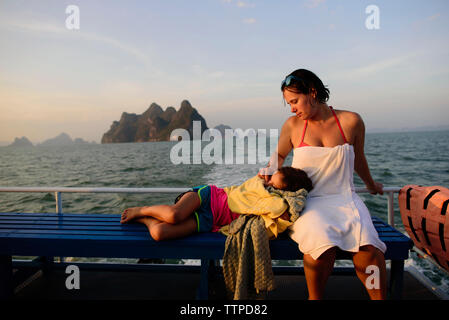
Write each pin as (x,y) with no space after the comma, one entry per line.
(227,57)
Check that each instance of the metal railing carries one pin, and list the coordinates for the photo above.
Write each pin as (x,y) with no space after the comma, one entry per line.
(389,191)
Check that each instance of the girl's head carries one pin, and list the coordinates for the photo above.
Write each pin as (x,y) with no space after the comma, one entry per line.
(290,179)
(303,90)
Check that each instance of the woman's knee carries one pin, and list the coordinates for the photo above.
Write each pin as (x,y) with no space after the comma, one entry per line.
(368,256)
(370,252)
(368,248)
(325,259)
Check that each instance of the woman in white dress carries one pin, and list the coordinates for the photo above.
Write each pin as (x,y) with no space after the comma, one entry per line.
(328,145)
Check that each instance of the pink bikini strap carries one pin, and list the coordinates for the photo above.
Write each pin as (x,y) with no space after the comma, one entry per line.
(303,133)
(339,126)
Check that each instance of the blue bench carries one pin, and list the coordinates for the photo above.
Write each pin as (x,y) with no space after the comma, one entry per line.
(101,235)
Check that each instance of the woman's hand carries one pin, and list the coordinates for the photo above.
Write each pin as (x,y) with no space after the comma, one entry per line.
(282,150)
(285,216)
(376,188)
(266,173)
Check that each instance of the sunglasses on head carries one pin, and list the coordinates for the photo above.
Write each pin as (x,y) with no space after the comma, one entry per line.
(288,81)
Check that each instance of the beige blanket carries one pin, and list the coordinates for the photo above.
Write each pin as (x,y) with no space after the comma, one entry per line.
(247,266)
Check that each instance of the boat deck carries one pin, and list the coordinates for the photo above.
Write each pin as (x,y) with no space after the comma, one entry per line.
(141,285)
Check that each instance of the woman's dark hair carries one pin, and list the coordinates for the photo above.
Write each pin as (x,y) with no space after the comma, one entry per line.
(304,81)
(295,179)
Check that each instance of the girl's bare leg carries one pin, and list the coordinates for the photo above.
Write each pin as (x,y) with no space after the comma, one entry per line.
(160,230)
(318,271)
(370,256)
(173,214)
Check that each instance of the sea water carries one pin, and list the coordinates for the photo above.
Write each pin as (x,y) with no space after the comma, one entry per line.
(395,159)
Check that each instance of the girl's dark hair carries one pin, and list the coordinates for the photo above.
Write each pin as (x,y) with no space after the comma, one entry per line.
(295,179)
(304,81)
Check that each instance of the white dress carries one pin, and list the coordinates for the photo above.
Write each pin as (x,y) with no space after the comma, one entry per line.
(334,214)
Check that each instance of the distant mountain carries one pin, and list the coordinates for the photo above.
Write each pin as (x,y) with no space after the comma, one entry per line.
(222,128)
(155,124)
(62,140)
(242,133)
(236,133)
(21,142)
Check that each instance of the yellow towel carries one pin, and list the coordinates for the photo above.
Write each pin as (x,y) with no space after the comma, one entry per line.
(251,197)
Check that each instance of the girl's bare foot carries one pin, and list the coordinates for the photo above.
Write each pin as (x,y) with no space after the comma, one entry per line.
(131,214)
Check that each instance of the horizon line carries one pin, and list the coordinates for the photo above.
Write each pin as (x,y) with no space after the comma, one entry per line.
(368,131)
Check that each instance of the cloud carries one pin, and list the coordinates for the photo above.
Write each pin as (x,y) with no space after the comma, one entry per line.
(434,17)
(217,74)
(427,20)
(249,21)
(379,66)
(40,27)
(240,4)
(203,72)
(313,3)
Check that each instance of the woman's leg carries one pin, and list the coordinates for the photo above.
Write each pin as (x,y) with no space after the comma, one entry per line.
(160,230)
(173,214)
(318,271)
(369,262)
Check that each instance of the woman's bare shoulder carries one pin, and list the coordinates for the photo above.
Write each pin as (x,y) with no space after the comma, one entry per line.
(350,118)
(293,121)
(352,124)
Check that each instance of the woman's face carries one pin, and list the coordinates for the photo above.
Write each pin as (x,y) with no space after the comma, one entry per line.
(300,104)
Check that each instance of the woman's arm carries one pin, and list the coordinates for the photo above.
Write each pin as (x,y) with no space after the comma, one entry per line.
(360,162)
(283,148)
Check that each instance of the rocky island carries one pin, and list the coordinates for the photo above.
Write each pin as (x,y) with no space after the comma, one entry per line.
(155,124)
(63,139)
(21,142)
